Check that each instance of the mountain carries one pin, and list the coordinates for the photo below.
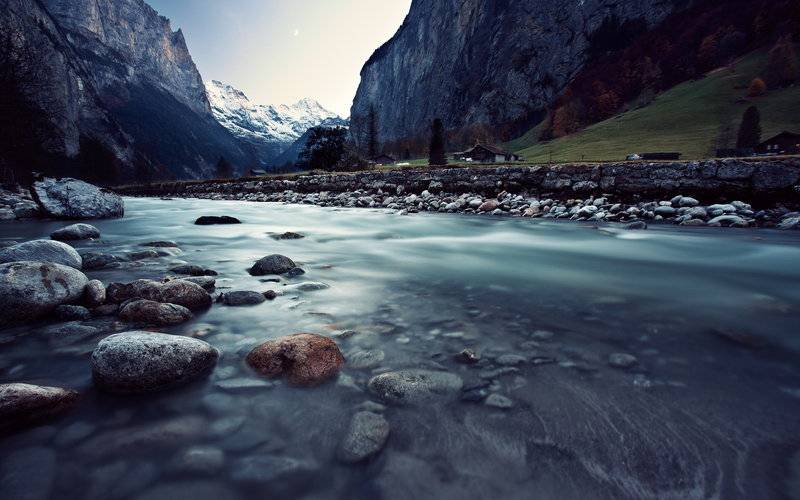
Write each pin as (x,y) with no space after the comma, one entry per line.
(271,130)
(488,62)
(121,77)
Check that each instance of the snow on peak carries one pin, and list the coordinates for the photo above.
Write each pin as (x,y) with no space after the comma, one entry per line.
(282,123)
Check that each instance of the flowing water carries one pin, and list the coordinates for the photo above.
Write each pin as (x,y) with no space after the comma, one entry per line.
(712,410)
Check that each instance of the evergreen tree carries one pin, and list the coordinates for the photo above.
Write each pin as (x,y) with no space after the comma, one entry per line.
(436,152)
(373,145)
(324,149)
(750,129)
(224,168)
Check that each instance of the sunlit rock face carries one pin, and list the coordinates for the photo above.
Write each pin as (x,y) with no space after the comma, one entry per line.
(482,61)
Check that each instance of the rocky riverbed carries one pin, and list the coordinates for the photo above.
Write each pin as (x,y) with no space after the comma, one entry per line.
(299,350)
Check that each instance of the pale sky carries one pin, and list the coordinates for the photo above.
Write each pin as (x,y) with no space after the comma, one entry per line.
(280,51)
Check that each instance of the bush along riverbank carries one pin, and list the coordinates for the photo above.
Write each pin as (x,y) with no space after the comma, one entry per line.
(724,193)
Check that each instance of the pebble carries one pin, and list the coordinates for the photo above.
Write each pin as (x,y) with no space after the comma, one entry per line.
(415,386)
(243,298)
(622,360)
(365,437)
(498,401)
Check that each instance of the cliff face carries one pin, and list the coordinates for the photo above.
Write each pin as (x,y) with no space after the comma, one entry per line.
(483,61)
(123,77)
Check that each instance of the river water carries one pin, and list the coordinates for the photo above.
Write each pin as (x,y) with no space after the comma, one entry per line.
(712,410)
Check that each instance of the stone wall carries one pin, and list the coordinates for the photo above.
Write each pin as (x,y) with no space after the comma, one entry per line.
(767,180)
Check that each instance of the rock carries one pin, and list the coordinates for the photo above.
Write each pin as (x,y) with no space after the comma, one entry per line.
(160,244)
(189,490)
(728,220)
(201,460)
(488,206)
(288,236)
(638,225)
(693,223)
(364,360)
(206,282)
(24,405)
(293,273)
(72,313)
(789,223)
(622,360)
(272,264)
(75,232)
(26,210)
(30,290)
(306,359)
(93,261)
(270,295)
(263,469)
(138,362)
(308,286)
(211,220)
(154,313)
(94,294)
(498,401)
(143,255)
(415,386)
(664,211)
(159,435)
(28,474)
(511,360)
(73,199)
(365,437)
(183,293)
(467,356)
(686,201)
(7,214)
(55,252)
(193,270)
(542,335)
(243,298)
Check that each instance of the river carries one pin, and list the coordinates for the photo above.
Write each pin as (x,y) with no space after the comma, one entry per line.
(711,410)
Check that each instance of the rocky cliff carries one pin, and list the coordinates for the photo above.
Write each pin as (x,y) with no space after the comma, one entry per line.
(485,62)
(128,71)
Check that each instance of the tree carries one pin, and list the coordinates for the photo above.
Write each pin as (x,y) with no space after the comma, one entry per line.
(224,169)
(373,145)
(436,151)
(757,88)
(750,129)
(324,148)
(782,64)
(406,154)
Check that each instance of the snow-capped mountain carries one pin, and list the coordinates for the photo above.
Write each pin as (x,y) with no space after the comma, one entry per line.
(271,129)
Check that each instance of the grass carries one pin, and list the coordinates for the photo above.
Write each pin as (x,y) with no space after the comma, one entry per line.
(687,118)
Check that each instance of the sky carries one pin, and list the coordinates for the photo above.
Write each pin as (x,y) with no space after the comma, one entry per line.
(280,51)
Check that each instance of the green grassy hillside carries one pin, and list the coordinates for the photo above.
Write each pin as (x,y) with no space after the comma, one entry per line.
(688,118)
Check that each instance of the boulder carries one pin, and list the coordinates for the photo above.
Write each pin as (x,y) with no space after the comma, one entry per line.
(7,214)
(488,206)
(193,270)
(55,252)
(30,290)
(93,261)
(306,359)
(211,220)
(23,405)
(207,282)
(415,386)
(139,362)
(74,199)
(26,210)
(75,232)
(94,294)
(243,298)
(181,292)
(154,313)
(365,437)
(272,264)
(72,313)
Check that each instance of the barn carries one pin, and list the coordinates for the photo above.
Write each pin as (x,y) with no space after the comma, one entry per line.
(785,143)
(484,153)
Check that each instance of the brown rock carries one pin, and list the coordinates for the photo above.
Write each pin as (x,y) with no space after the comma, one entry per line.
(180,292)
(489,205)
(23,405)
(305,358)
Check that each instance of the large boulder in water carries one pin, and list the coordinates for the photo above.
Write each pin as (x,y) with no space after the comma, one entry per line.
(23,405)
(30,290)
(154,313)
(74,199)
(305,358)
(180,292)
(75,232)
(138,362)
(272,264)
(55,252)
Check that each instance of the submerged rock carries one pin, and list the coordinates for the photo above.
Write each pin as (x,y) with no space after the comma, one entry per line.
(23,405)
(288,236)
(272,264)
(268,468)
(74,199)
(415,386)
(193,270)
(42,251)
(365,437)
(622,360)
(498,401)
(160,244)
(72,313)
(28,474)
(75,232)
(467,356)
(305,358)
(154,313)
(243,298)
(207,282)
(181,292)
(94,261)
(211,220)
(30,290)
(138,362)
